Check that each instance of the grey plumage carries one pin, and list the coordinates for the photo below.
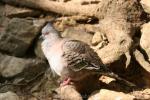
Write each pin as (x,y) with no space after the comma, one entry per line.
(72,58)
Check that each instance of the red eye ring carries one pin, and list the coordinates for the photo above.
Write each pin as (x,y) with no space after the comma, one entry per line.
(45,33)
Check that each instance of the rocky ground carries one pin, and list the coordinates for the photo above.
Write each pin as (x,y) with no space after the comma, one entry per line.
(117,30)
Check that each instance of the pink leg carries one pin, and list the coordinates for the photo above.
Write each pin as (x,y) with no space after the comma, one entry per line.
(65,82)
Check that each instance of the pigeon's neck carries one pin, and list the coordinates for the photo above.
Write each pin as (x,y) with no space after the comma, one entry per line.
(52,38)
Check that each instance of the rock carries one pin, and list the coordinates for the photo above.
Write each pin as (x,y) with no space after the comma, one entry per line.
(11,66)
(2,9)
(142,94)
(19,35)
(78,34)
(145,41)
(3,23)
(146,5)
(110,95)
(11,11)
(38,51)
(8,96)
(3,20)
(34,68)
(68,92)
(106,79)
(97,38)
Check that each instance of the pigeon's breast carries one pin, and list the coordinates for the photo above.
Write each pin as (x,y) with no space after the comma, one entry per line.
(56,63)
(54,57)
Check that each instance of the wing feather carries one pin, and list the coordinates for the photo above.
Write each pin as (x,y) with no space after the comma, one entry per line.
(80,56)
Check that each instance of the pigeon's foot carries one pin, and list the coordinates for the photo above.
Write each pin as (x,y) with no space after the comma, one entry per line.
(66,82)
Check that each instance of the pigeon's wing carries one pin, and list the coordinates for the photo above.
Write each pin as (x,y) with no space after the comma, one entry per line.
(80,56)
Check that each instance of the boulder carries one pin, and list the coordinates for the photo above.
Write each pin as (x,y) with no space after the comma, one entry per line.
(68,92)
(19,35)
(8,96)
(11,66)
(3,20)
(97,38)
(110,95)
(146,5)
(2,11)
(143,94)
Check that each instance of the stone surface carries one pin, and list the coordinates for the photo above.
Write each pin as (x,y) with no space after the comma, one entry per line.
(38,51)
(3,20)
(78,34)
(145,41)
(106,79)
(146,5)
(19,35)
(68,92)
(97,38)
(11,11)
(2,7)
(8,96)
(11,66)
(110,95)
(142,95)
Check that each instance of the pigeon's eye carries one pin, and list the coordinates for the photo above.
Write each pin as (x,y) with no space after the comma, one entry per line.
(46,33)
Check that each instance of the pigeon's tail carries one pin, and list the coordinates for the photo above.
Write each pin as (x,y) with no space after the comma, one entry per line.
(121,80)
(103,70)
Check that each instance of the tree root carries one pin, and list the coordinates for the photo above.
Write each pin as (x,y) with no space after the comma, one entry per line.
(57,7)
(140,59)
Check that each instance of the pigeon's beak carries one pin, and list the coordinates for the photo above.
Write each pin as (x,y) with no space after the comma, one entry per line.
(41,38)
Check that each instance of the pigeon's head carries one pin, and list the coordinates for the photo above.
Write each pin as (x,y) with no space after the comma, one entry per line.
(48,31)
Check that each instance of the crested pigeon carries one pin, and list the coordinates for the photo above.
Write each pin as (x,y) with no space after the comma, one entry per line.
(72,59)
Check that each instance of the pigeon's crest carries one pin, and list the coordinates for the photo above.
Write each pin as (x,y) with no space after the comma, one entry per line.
(48,28)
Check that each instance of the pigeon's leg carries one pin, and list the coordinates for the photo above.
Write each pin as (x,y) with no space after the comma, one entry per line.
(66,82)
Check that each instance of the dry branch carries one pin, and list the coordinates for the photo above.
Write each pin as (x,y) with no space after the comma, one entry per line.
(121,8)
(118,33)
(57,7)
(140,58)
